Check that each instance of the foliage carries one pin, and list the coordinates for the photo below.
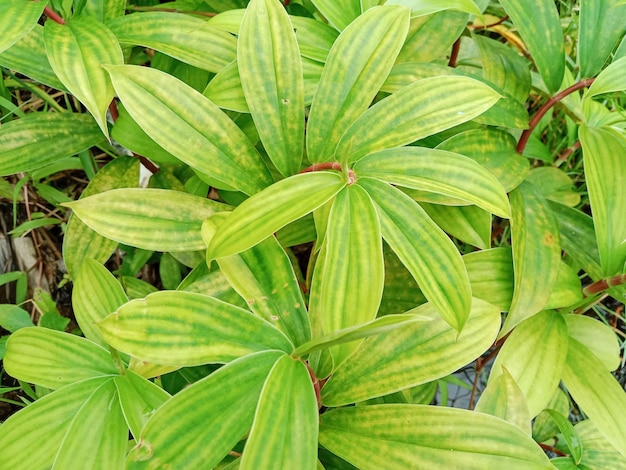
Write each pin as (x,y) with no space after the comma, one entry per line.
(392,139)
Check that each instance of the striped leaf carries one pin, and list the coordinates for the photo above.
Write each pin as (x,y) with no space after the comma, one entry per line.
(264,277)
(339,14)
(151,219)
(396,437)
(370,45)
(350,286)
(605,171)
(470,224)
(178,433)
(18,18)
(421,109)
(55,359)
(28,57)
(271,78)
(77,50)
(597,452)
(599,338)
(424,249)
(428,7)
(225,89)
(97,436)
(504,399)
(596,391)
(536,254)
(418,353)
(184,123)
(534,355)
(96,294)
(139,399)
(40,139)
(41,426)
(437,171)
(80,242)
(285,428)
(610,80)
(540,27)
(184,37)
(104,10)
(183,328)
(314,37)
(270,210)
(601,23)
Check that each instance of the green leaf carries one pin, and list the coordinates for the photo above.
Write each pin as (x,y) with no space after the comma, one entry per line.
(428,7)
(13,318)
(40,139)
(187,329)
(17,20)
(494,149)
(418,353)
(504,399)
(95,295)
(104,10)
(553,183)
(601,23)
(350,284)
(184,37)
(151,219)
(339,14)
(80,242)
(470,224)
(370,45)
(536,254)
(139,399)
(610,80)
(32,436)
(270,210)
(424,249)
(271,78)
(97,435)
(597,452)
(285,429)
(569,434)
(28,56)
(597,392)
(264,277)
(437,171)
(314,37)
(540,27)
(420,436)
(178,433)
(76,51)
(418,110)
(54,359)
(534,355)
(504,67)
(372,328)
(599,338)
(183,122)
(605,171)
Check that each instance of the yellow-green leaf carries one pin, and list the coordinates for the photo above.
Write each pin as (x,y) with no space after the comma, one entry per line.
(77,50)
(17,19)
(599,338)
(339,14)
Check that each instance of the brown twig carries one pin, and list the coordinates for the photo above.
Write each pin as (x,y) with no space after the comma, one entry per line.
(604,284)
(53,15)
(550,448)
(454,54)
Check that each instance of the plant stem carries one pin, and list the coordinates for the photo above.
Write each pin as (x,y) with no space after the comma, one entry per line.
(552,449)
(454,54)
(53,15)
(604,284)
(331,166)
(523,141)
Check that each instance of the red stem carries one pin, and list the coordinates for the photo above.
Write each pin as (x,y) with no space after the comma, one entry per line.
(53,15)
(604,284)
(552,449)
(323,166)
(454,54)
(521,145)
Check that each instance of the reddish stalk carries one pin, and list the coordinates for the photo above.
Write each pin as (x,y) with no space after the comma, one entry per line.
(604,284)
(317,386)
(550,448)
(568,151)
(454,54)
(330,166)
(523,141)
(53,15)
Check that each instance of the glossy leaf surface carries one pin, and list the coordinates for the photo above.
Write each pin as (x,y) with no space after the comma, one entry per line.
(183,122)
(405,436)
(55,359)
(183,328)
(418,110)
(539,25)
(178,433)
(151,219)
(271,77)
(40,139)
(265,213)
(285,428)
(418,353)
(424,249)
(76,51)
(370,45)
